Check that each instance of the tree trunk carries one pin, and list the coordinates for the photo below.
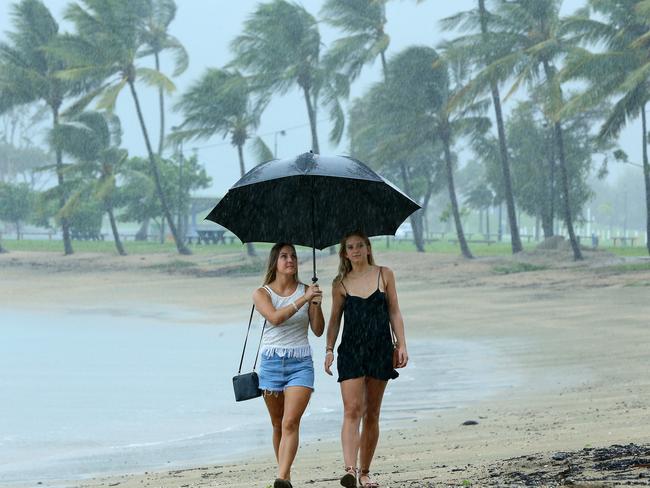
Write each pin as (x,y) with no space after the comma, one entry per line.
(2,249)
(116,235)
(564,177)
(182,249)
(500,227)
(503,150)
(384,66)
(312,121)
(646,174)
(161,105)
(418,232)
(548,207)
(416,221)
(250,249)
(65,224)
(452,196)
(143,231)
(487,222)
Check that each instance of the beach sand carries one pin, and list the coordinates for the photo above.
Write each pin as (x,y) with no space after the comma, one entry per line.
(583,359)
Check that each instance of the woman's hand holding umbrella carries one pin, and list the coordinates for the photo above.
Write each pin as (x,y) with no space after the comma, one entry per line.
(313,294)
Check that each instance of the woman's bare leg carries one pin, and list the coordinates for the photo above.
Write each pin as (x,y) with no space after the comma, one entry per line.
(354,403)
(296,399)
(275,405)
(374,389)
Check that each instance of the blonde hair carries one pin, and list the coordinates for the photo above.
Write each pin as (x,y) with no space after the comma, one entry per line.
(345,266)
(272,265)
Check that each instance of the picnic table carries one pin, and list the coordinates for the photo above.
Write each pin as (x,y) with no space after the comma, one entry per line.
(208,237)
(85,235)
(624,240)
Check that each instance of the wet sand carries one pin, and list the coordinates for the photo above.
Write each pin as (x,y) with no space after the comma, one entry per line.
(581,338)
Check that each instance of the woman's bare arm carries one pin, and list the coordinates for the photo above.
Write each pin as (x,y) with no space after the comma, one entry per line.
(338,301)
(395,314)
(274,316)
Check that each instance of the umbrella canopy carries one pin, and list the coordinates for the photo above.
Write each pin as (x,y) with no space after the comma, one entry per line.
(311,200)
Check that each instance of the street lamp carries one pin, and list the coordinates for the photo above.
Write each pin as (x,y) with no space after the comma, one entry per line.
(275,141)
(180,187)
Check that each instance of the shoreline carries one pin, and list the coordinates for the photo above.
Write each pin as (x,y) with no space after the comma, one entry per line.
(586,372)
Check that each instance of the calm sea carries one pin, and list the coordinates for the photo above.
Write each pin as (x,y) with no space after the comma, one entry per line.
(105,391)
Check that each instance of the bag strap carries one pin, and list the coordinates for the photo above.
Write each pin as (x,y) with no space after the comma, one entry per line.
(250,320)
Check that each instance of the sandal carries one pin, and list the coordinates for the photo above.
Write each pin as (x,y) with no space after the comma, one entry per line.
(349,479)
(280,483)
(368,484)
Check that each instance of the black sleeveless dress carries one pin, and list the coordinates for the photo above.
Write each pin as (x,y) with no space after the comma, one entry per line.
(366,347)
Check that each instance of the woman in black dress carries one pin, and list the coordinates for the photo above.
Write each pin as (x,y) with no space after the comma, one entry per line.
(365,295)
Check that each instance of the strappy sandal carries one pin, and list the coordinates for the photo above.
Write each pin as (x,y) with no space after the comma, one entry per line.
(280,483)
(349,479)
(368,484)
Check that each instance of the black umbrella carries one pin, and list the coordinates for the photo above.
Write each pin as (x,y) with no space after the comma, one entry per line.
(311,200)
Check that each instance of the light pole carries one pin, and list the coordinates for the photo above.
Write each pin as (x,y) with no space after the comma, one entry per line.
(181,233)
(275,141)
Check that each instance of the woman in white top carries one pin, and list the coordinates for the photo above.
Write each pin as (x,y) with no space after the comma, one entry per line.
(286,367)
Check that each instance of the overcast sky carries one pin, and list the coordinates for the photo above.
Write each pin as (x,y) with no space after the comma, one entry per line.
(206,28)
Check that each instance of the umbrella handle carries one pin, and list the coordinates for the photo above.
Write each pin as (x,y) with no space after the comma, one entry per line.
(316,301)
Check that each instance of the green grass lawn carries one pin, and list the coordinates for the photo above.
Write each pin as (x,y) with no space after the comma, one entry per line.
(379,244)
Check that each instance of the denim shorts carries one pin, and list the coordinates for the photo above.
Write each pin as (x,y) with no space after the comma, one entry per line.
(277,373)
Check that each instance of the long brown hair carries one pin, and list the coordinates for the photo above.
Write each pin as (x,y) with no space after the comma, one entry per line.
(272,265)
(345,266)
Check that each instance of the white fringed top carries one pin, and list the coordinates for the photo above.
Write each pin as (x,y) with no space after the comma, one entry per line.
(288,339)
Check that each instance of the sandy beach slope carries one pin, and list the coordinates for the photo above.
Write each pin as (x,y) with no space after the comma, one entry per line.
(583,331)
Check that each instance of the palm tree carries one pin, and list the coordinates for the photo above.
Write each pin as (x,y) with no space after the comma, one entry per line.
(483,51)
(365,22)
(27,74)
(108,41)
(280,49)
(403,146)
(531,32)
(93,140)
(619,71)
(158,39)
(221,103)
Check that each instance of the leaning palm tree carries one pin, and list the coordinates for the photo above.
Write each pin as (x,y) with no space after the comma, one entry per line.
(280,49)
(532,34)
(619,71)
(451,123)
(27,74)
(93,140)
(364,21)
(221,104)
(482,50)
(158,39)
(404,145)
(108,41)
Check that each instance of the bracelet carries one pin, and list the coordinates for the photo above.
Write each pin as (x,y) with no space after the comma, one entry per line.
(294,305)
(329,349)
(329,352)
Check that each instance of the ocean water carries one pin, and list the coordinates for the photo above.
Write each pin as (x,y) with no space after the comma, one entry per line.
(89,392)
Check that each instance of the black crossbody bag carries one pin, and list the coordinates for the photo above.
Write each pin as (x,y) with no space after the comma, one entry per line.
(247,385)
